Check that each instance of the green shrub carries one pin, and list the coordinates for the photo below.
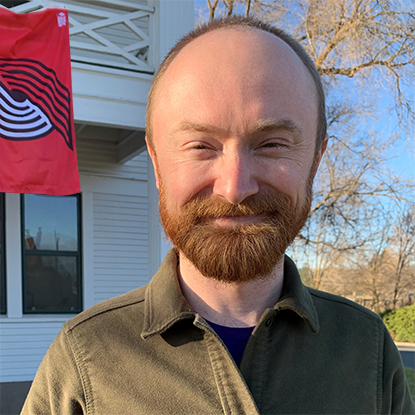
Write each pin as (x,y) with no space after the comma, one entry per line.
(382,314)
(401,323)
(410,377)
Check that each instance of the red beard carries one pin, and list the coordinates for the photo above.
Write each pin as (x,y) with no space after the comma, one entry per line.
(240,253)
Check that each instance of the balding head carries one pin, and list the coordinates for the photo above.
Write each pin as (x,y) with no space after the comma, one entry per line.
(252,26)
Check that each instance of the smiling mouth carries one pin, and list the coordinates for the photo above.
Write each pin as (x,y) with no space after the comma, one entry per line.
(237,220)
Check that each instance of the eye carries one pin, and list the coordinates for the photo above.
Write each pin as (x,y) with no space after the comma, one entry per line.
(273,145)
(201,147)
(200,150)
(272,148)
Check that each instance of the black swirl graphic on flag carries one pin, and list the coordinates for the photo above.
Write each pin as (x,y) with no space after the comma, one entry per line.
(20,119)
(33,102)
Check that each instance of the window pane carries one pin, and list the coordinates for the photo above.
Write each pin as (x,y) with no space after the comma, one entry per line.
(51,283)
(51,222)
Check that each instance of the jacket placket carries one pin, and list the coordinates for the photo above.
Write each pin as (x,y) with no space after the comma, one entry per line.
(234,394)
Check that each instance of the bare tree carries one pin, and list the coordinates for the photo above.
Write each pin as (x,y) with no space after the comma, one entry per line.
(374,265)
(404,244)
(212,4)
(347,38)
(352,190)
(248,7)
(381,274)
(229,6)
(376,271)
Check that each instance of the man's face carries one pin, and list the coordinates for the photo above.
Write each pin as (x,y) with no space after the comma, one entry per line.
(234,131)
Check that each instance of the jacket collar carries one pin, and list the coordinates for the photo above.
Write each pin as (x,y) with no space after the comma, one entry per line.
(165,304)
(295,296)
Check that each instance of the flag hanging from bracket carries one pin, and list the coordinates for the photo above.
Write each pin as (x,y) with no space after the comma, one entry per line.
(37,139)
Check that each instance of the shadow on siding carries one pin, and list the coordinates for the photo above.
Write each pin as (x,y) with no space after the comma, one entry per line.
(12,397)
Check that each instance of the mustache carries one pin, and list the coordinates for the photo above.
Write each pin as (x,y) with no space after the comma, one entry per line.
(208,207)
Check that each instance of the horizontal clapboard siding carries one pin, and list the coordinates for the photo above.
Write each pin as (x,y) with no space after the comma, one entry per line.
(100,158)
(120,254)
(120,264)
(22,347)
(120,241)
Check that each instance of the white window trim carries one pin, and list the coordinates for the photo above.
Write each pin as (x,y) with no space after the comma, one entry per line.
(13,256)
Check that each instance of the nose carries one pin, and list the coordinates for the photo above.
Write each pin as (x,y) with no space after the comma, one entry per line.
(235,179)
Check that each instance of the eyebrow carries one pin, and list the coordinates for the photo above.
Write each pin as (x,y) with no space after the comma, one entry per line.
(268,125)
(262,126)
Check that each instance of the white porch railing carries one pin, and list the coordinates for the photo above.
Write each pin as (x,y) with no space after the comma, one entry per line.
(107,32)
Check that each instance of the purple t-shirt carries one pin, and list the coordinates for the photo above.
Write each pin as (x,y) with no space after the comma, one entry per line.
(235,339)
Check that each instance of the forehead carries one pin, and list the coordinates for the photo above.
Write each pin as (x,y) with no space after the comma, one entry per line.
(223,50)
(231,67)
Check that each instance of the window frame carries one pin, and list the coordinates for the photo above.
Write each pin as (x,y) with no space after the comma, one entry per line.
(3,279)
(51,253)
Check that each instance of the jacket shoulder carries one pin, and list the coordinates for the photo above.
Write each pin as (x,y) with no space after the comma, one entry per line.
(324,300)
(132,299)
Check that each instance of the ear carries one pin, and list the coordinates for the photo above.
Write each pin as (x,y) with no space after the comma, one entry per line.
(319,155)
(152,154)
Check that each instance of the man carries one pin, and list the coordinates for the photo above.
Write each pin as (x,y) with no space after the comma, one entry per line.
(236,131)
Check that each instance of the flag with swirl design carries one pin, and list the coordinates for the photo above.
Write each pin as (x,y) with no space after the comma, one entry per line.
(37,140)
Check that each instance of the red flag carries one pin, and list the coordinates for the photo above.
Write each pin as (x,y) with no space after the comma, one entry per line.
(37,139)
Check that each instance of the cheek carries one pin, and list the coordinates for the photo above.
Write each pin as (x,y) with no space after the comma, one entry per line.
(289,178)
(181,181)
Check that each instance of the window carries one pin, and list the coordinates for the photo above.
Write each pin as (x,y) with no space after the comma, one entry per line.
(2,257)
(51,254)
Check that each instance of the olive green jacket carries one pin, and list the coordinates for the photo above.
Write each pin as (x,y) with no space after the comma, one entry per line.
(147,352)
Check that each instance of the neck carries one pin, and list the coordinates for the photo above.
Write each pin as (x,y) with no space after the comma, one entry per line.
(232,305)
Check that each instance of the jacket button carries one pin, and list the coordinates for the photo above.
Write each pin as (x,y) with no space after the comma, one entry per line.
(268,322)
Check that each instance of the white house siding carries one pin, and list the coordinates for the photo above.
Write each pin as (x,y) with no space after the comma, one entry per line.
(23,342)
(120,244)
(115,252)
(99,158)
